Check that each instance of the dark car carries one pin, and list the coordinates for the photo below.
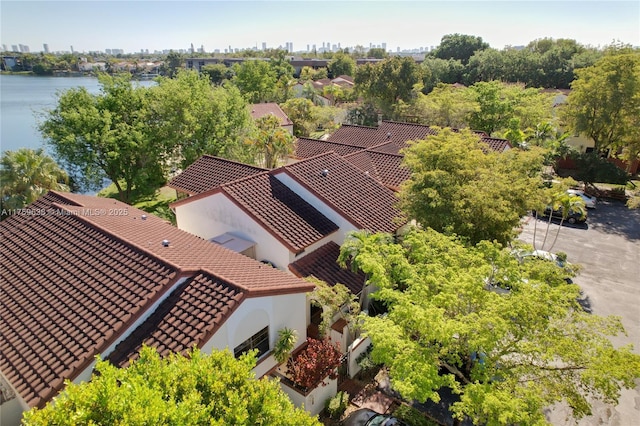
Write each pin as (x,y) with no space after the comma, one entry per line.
(572,218)
(366,417)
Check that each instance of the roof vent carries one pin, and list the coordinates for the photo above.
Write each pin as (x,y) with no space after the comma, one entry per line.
(143,217)
(388,135)
(325,172)
(165,243)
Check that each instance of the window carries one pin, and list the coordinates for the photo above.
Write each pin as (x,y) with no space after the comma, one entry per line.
(259,341)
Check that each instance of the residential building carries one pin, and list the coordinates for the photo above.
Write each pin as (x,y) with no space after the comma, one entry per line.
(271,108)
(85,276)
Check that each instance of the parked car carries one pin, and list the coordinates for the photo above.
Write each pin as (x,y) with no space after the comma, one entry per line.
(589,201)
(366,417)
(572,218)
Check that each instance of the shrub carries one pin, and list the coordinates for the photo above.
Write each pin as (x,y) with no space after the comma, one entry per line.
(412,416)
(284,344)
(337,405)
(317,361)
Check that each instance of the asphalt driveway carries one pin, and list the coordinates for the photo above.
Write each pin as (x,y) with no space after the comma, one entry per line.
(608,248)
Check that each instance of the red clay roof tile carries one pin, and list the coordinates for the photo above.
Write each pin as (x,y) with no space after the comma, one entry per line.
(307,148)
(80,270)
(323,264)
(359,198)
(260,110)
(209,172)
(280,210)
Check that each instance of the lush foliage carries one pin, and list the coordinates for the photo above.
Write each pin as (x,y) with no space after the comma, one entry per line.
(337,405)
(133,135)
(341,64)
(270,144)
(592,168)
(200,389)
(334,300)
(313,364)
(604,103)
(286,340)
(459,186)
(459,47)
(476,320)
(389,81)
(26,174)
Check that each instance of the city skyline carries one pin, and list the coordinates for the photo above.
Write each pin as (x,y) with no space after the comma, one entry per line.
(219,25)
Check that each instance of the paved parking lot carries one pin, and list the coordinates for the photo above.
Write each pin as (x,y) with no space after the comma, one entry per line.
(608,248)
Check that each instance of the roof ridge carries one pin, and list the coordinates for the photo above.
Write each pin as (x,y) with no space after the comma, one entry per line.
(226,160)
(333,142)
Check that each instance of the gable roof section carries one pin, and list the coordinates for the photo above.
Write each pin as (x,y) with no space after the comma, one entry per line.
(323,264)
(80,272)
(385,167)
(307,148)
(260,110)
(188,316)
(362,136)
(359,198)
(209,172)
(283,213)
(495,144)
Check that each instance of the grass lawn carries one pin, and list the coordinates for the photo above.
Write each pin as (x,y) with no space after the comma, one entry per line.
(158,204)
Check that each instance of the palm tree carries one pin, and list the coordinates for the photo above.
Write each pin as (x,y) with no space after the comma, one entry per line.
(26,174)
(568,203)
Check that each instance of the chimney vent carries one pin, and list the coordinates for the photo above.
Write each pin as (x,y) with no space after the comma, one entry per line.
(165,243)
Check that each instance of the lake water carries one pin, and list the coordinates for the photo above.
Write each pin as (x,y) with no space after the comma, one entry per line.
(23,97)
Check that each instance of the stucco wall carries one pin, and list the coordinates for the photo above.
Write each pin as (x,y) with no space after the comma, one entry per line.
(214,215)
(253,315)
(315,401)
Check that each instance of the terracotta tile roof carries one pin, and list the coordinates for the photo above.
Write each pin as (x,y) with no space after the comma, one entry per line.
(495,144)
(323,264)
(282,212)
(188,316)
(209,172)
(260,110)
(355,135)
(387,168)
(307,148)
(359,198)
(74,279)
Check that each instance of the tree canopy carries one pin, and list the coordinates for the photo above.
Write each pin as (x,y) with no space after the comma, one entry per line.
(389,81)
(26,174)
(270,144)
(459,46)
(508,338)
(604,103)
(132,135)
(459,186)
(197,389)
(341,64)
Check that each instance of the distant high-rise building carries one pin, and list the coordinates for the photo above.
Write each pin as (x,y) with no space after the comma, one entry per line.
(202,48)
(192,50)
(384,46)
(72,51)
(23,48)
(290,47)
(329,46)
(264,46)
(14,48)
(45,47)
(4,47)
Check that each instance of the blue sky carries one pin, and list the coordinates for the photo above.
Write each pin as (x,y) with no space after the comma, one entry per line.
(155,25)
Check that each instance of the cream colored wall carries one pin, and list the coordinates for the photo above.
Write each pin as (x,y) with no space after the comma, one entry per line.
(214,215)
(253,315)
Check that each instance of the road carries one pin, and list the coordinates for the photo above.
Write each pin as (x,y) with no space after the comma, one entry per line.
(608,248)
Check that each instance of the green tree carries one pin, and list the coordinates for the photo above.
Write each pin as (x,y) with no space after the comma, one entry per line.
(301,112)
(445,106)
(436,71)
(199,389)
(217,73)
(256,80)
(270,143)
(26,174)
(605,100)
(475,320)
(192,118)
(172,64)
(459,186)
(104,136)
(341,64)
(377,53)
(389,81)
(459,46)
(336,300)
